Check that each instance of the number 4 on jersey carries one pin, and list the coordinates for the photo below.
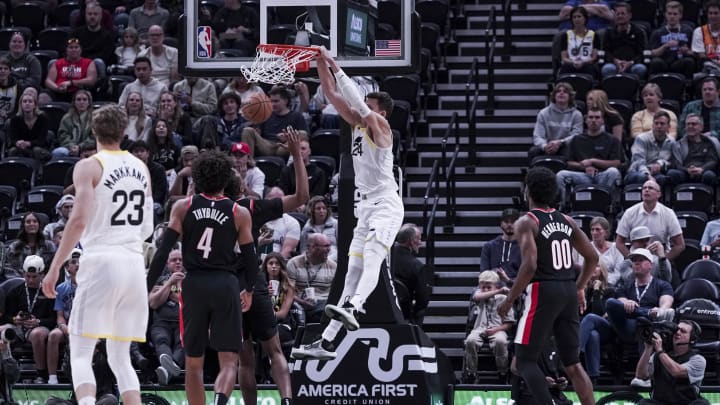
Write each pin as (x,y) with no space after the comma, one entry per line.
(205,242)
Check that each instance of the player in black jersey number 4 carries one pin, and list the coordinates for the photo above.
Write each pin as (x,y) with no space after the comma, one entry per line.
(554,295)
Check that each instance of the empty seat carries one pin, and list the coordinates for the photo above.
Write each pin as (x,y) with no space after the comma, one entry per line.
(582,83)
(623,86)
(8,194)
(703,268)
(326,142)
(54,112)
(327,163)
(583,219)
(672,85)
(433,11)
(552,162)
(272,167)
(61,14)
(591,197)
(43,199)
(693,197)
(55,171)
(54,38)
(692,223)
(696,288)
(690,254)
(17,172)
(631,195)
(405,87)
(29,15)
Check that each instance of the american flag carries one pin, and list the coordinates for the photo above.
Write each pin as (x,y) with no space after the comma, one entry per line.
(390,47)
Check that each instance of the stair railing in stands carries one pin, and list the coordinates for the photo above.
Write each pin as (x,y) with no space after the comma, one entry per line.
(449,171)
(507,40)
(471,112)
(429,217)
(490,45)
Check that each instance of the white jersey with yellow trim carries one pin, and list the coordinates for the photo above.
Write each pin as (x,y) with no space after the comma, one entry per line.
(122,212)
(373,165)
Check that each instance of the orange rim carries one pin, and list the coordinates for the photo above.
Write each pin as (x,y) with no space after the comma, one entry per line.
(291,51)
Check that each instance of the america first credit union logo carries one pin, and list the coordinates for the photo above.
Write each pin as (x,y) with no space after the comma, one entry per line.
(204,42)
(402,360)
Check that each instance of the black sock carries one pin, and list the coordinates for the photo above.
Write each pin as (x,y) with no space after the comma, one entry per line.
(535,381)
(43,373)
(327,345)
(220,399)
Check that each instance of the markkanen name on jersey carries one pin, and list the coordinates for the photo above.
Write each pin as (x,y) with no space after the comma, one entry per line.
(357,394)
(122,172)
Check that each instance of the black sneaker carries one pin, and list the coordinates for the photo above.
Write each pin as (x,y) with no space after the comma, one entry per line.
(314,350)
(347,314)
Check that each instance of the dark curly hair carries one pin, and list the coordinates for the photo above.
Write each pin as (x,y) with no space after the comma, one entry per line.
(211,172)
(232,188)
(541,186)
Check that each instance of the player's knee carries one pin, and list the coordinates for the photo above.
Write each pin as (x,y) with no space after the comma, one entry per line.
(375,248)
(570,358)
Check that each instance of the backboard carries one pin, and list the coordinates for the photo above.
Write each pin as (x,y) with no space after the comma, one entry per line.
(366,37)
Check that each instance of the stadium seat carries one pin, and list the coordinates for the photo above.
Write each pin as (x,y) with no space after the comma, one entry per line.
(623,86)
(400,118)
(430,37)
(645,10)
(433,11)
(327,163)
(692,223)
(61,14)
(8,195)
(118,83)
(7,33)
(672,105)
(704,269)
(43,199)
(583,219)
(691,11)
(54,38)
(591,197)
(45,56)
(54,112)
(281,33)
(390,12)
(693,196)
(552,162)
(690,254)
(696,288)
(14,223)
(326,142)
(272,167)
(55,170)
(30,15)
(18,172)
(631,195)
(582,83)
(403,87)
(626,110)
(672,85)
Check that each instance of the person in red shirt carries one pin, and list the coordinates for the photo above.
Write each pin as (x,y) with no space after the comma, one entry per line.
(70,73)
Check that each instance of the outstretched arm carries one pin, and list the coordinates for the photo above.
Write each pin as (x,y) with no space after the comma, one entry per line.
(327,67)
(301,195)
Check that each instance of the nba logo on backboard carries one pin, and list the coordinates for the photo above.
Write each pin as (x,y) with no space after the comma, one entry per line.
(204,42)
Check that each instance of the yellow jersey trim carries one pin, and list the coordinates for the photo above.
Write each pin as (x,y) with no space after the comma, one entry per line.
(120,338)
(366,136)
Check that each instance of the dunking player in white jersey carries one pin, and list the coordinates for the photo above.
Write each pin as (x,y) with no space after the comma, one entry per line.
(380,211)
(113,217)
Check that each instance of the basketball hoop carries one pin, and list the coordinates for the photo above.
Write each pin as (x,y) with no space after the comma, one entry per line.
(275,64)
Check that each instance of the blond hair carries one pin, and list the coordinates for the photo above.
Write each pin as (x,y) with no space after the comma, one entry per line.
(488,276)
(109,123)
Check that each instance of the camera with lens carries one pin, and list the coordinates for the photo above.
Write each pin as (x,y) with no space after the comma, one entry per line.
(665,329)
(23,316)
(9,335)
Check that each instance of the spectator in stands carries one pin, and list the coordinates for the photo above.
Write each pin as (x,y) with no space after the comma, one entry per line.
(641,238)
(25,66)
(652,153)
(488,328)
(95,40)
(320,220)
(253,177)
(77,17)
(164,58)
(647,297)
(600,15)
(670,44)
(502,254)
(707,107)
(313,273)
(642,120)
(704,42)
(593,157)
(696,155)
(31,314)
(197,96)
(267,138)
(148,14)
(62,307)
(317,178)
(164,145)
(274,267)
(158,178)
(177,120)
(70,73)
(9,94)
(182,180)
(613,121)
(405,268)
(676,375)
(238,27)
(595,329)
(28,130)
(608,254)
(280,235)
(149,87)
(579,45)
(660,220)
(241,87)
(557,123)
(164,300)
(711,238)
(63,208)
(139,123)
(624,44)
(74,127)
(224,128)
(126,53)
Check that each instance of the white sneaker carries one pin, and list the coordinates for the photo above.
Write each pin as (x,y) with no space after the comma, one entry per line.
(638,383)
(162,375)
(347,314)
(312,351)
(169,364)
(52,379)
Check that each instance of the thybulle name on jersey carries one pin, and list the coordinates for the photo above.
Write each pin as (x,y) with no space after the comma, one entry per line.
(210,213)
(122,172)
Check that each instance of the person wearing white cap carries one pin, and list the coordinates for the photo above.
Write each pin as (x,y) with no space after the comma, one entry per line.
(63,208)
(63,306)
(641,237)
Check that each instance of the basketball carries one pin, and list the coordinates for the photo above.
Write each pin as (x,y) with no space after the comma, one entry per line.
(257,108)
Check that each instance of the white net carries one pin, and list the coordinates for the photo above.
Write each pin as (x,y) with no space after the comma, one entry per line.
(277,64)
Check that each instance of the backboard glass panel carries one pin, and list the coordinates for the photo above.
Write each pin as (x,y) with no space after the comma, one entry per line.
(364,36)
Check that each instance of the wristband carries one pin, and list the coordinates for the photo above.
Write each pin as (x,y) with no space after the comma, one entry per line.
(659,353)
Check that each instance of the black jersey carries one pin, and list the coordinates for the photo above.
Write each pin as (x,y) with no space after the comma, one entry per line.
(554,247)
(209,234)
(261,212)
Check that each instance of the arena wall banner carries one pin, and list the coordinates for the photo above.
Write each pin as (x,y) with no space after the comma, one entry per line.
(477,397)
